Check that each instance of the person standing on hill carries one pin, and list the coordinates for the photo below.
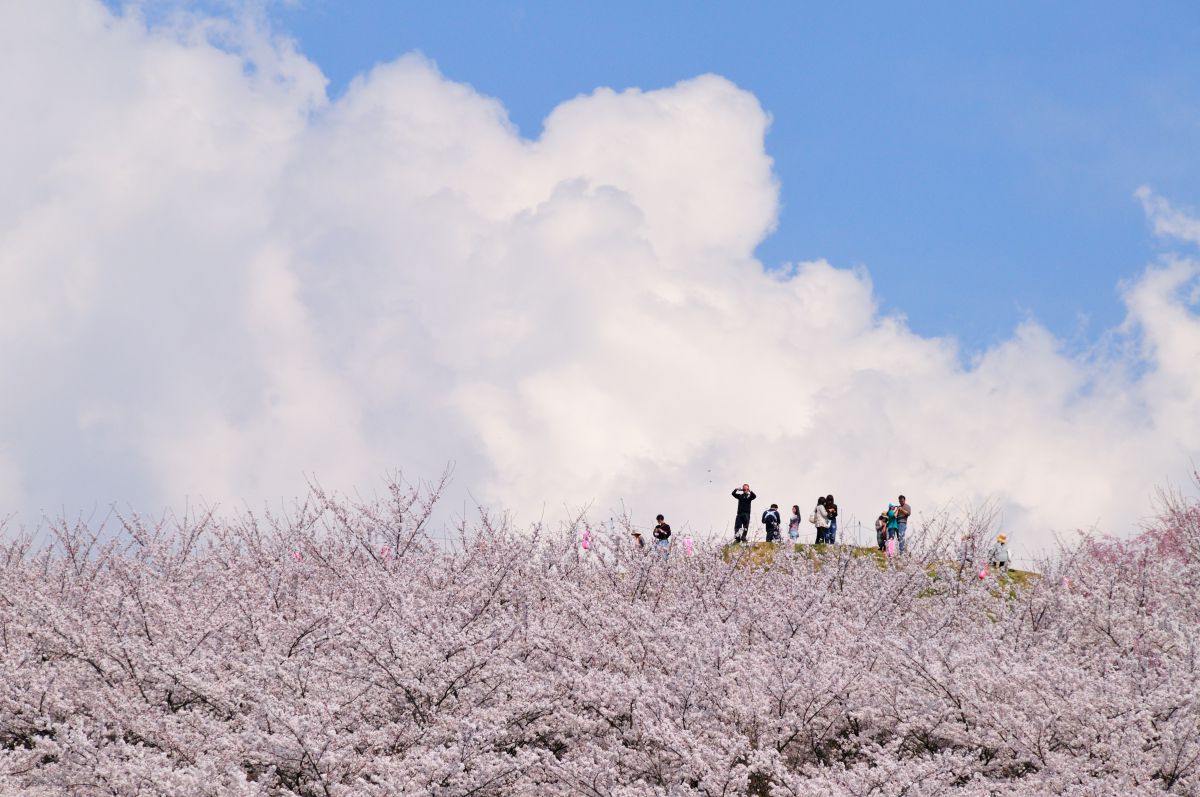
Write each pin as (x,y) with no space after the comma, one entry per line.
(832,511)
(892,523)
(999,556)
(772,521)
(794,525)
(903,511)
(741,524)
(881,526)
(662,534)
(820,518)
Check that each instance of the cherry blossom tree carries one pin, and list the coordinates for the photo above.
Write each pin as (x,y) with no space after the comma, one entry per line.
(339,649)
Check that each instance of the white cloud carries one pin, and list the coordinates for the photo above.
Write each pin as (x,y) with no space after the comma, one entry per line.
(214,280)
(1168,221)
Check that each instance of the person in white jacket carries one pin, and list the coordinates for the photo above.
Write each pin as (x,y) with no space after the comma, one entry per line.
(820,518)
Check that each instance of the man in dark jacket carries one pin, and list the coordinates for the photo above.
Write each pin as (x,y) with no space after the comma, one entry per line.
(771,519)
(741,524)
(662,535)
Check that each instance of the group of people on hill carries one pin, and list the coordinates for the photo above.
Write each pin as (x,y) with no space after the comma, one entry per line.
(824,516)
(892,524)
(890,528)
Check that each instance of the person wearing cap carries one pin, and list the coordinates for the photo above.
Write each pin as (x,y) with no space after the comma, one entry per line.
(999,557)
(662,534)
(637,539)
(772,521)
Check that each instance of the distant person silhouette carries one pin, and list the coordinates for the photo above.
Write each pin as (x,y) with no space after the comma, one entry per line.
(903,511)
(741,524)
(831,510)
(999,556)
(820,518)
(662,534)
(772,521)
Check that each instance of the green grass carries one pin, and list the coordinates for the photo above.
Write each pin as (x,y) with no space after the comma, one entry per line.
(762,555)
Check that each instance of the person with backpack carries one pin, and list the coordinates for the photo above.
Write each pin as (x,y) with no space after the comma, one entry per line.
(772,521)
(820,519)
(741,524)
(881,524)
(794,525)
(832,510)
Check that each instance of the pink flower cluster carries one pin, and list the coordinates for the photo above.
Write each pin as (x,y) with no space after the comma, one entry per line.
(339,651)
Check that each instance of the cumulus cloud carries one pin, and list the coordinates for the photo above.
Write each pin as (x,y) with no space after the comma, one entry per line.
(214,280)
(1168,221)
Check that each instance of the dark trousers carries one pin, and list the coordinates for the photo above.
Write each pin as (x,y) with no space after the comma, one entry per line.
(741,525)
(772,533)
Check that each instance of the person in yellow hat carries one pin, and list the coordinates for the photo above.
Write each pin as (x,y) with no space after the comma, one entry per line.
(999,557)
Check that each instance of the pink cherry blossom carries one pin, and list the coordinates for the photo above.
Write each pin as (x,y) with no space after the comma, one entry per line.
(185,658)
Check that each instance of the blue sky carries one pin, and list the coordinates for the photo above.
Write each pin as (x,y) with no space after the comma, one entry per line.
(401,284)
(979,159)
